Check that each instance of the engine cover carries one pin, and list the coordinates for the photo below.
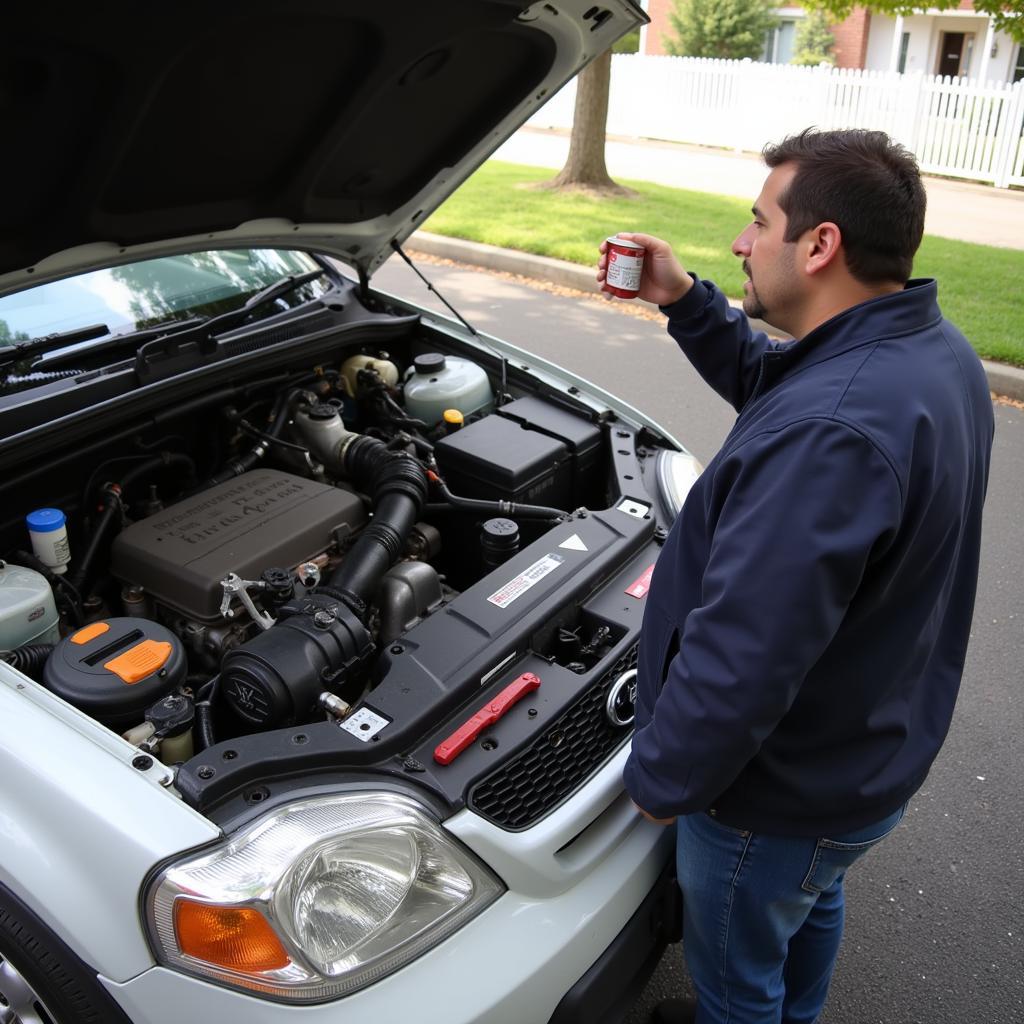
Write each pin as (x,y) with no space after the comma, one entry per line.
(262,518)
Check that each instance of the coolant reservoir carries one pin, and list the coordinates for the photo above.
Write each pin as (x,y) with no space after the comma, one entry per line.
(351,367)
(28,613)
(437,382)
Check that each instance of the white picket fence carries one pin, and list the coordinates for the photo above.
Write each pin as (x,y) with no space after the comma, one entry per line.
(956,127)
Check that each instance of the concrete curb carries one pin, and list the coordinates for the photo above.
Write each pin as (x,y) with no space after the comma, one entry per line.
(1007,381)
(1002,379)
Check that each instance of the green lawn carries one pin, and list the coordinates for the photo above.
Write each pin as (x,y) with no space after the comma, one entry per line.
(979,285)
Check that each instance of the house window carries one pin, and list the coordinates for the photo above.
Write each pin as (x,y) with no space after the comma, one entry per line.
(904,46)
(1018,68)
(778,46)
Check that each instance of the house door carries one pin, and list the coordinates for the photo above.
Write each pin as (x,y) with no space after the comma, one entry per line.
(951,50)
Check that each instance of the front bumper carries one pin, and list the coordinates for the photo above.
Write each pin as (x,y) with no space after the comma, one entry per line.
(513,964)
(605,993)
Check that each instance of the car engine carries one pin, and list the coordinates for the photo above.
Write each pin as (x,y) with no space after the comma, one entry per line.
(257,562)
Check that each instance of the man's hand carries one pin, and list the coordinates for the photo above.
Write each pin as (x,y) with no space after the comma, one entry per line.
(650,817)
(663,281)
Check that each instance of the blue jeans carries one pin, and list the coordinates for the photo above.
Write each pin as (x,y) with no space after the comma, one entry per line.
(763,917)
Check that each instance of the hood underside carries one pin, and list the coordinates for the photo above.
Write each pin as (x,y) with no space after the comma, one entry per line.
(139,130)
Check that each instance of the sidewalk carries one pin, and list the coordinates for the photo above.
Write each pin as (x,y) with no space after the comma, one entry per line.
(956,209)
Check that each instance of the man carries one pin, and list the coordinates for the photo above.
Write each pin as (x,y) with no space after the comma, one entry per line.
(807,622)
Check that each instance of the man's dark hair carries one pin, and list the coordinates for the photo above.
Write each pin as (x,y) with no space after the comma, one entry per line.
(865,183)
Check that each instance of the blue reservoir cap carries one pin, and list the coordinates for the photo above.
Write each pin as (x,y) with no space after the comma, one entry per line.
(45,520)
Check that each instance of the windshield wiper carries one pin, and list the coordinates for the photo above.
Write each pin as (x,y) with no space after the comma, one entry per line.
(19,350)
(282,286)
(204,331)
(204,327)
(166,356)
(118,341)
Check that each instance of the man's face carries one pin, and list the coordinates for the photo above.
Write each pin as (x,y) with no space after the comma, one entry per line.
(773,289)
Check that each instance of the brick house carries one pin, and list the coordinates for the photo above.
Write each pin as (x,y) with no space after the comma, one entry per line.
(954,42)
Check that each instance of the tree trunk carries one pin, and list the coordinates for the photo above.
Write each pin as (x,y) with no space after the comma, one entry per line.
(585,168)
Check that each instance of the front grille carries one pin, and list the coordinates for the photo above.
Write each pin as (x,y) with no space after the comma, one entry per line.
(534,782)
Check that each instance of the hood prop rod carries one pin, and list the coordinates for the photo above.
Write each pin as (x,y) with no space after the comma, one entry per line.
(465,323)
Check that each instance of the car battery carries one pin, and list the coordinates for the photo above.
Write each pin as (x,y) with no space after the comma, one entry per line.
(496,457)
(580,436)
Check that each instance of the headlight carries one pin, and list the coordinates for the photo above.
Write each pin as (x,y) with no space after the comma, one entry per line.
(317,898)
(677,473)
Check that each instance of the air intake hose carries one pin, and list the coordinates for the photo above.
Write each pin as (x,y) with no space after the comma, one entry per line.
(397,485)
(29,659)
(320,638)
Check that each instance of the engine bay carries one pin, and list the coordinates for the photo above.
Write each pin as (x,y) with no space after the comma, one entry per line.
(323,562)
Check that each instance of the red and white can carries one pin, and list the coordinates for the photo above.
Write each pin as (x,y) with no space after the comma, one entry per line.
(625,265)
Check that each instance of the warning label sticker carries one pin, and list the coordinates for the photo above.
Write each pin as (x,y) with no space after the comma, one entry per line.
(638,588)
(515,588)
(624,271)
(364,724)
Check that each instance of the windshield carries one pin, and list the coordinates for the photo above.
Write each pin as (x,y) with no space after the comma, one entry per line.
(139,295)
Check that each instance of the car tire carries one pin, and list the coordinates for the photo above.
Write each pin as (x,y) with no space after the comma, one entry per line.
(41,980)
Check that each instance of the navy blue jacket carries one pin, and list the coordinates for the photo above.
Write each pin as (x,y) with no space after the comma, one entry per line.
(805,631)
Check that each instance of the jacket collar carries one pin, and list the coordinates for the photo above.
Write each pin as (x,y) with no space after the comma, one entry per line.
(887,316)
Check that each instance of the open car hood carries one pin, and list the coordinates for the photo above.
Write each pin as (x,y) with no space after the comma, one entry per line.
(134,131)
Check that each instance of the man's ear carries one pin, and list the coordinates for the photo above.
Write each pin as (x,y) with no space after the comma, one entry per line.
(822,245)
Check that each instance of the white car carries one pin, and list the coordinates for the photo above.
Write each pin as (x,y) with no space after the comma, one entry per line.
(318,611)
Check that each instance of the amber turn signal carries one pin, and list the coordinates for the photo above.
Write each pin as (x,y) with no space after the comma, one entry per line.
(236,938)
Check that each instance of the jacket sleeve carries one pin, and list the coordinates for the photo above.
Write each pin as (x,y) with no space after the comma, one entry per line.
(797,514)
(718,340)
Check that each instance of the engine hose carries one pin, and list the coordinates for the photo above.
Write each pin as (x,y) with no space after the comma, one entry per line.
(205,736)
(397,485)
(112,506)
(500,507)
(238,466)
(252,457)
(166,459)
(421,444)
(285,413)
(29,658)
(279,441)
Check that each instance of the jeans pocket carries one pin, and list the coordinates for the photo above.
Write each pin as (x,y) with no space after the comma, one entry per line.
(832,857)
